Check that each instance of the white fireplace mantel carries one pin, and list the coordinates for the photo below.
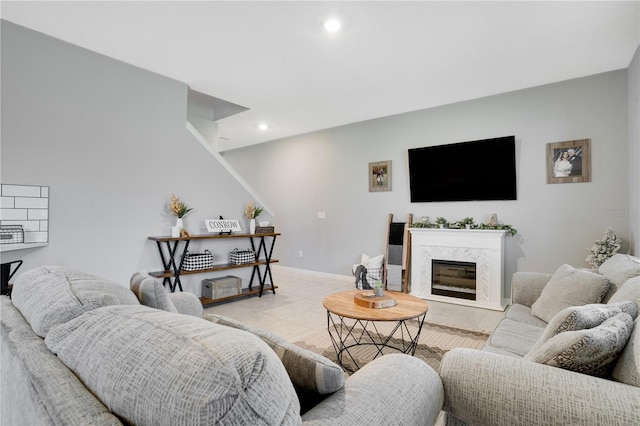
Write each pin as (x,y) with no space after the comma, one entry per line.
(485,248)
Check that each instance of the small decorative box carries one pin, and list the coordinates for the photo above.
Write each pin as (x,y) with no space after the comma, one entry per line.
(216,288)
(264,229)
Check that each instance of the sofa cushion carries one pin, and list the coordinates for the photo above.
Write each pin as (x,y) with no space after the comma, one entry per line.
(500,352)
(308,371)
(151,293)
(187,303)
(515,337)
(521,313)
(50,295)
(152,367)
(630,290)
(569,287)
(591,351)
(618,269)
(584,317)
(627,368)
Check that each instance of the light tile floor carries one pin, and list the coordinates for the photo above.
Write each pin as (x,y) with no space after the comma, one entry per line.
(296,309)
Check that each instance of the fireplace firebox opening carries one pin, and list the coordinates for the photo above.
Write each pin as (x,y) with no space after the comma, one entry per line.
(453,279)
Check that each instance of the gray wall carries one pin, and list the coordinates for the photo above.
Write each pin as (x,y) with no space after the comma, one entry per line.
(110,141)
(327,171)
(634,151)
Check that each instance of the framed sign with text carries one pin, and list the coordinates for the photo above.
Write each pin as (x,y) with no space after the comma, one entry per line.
(222,226)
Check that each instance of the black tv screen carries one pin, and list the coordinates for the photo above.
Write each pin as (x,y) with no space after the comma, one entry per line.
(468,171)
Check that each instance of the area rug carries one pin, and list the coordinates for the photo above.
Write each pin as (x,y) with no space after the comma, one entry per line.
(435,341)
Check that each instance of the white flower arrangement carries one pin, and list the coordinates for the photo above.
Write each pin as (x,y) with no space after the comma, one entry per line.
(603,249)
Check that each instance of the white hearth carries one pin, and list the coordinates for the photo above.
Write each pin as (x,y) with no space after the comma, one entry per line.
(484,248)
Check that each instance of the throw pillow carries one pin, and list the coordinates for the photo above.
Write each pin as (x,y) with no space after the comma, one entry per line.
(50,295)
(627,368)
(308,370)
(374,267)
(628,291)
(372,261)
(591,351)
(151,293)
(153,367)
(583,317)
(619,268)
(569,287)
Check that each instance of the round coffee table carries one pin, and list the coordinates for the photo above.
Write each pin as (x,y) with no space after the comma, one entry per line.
(351,326)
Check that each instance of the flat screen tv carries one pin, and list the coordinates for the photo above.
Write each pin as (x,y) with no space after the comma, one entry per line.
(468,171)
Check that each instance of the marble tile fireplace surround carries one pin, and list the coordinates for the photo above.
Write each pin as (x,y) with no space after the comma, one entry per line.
(460,266)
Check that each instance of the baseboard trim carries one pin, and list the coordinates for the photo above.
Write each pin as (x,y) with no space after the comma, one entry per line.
(313,273)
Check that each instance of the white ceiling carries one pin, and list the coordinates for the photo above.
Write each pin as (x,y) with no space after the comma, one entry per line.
(390,57)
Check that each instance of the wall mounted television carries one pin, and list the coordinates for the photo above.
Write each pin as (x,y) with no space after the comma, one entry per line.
(482,170)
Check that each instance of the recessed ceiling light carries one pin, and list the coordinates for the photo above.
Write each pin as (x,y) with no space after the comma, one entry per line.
(332,25)
(263,126)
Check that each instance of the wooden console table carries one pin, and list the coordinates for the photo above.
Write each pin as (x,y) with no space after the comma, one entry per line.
(172,259)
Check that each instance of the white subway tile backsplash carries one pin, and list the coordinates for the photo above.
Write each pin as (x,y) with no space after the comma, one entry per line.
(38,214)
(13,214)
(7,202)
(31,203)
(21,191)
(27,206)
(27,225)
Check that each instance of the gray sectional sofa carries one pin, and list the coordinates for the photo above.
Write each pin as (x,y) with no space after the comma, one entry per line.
(80,350)
(566,353)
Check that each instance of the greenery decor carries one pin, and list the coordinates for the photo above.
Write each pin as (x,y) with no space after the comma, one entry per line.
(603,249)
(252,211)
(178,208)
(466,221)
(504,227)
(463,223)
(442,222)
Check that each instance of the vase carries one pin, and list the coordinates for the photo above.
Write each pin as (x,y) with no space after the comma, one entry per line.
(175,230)
(252,226)
(379,291)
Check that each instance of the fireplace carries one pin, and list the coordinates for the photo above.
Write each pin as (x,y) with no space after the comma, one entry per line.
(460,266)
(453,279)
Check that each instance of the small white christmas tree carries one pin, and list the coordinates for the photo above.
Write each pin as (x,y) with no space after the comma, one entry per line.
(603,249)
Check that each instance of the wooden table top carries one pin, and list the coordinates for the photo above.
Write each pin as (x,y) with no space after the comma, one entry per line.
(408,307)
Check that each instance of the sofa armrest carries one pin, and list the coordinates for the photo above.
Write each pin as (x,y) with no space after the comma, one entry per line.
(526,287)
(393,389)
(36,387)
(187,303)
(483,388)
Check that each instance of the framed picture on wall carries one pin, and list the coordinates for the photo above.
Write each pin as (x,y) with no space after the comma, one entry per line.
(569,162)
(380,176)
